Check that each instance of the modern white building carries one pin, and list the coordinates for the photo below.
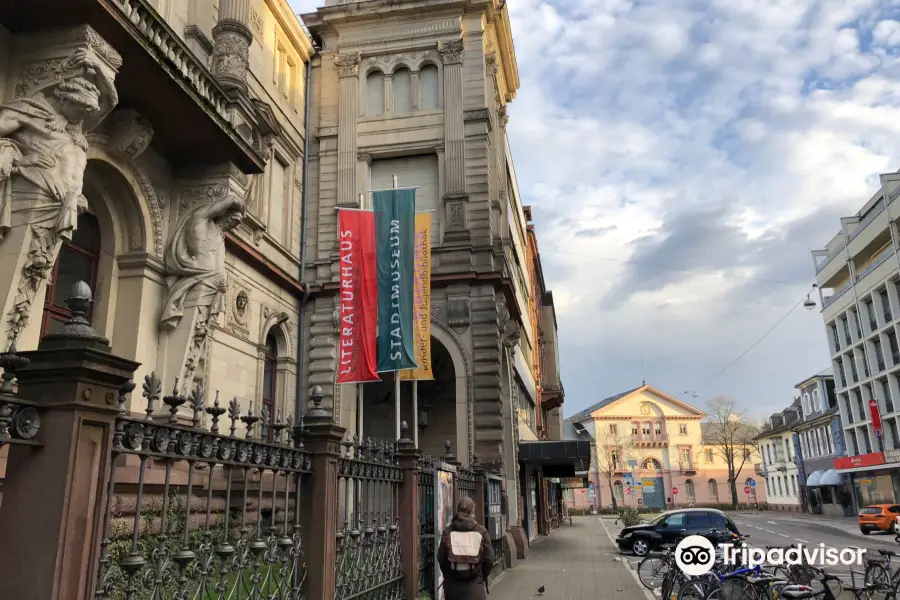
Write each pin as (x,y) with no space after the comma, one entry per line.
(858,275)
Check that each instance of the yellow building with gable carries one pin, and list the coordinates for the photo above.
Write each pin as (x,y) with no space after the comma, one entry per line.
(651,449)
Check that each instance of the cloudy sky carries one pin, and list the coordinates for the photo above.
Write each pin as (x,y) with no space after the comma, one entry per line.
(683,158)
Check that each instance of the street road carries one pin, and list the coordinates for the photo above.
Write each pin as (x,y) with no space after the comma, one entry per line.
(783,529)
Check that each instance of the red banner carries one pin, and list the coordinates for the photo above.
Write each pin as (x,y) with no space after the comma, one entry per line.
(861,460)
(876,417)
(358,297)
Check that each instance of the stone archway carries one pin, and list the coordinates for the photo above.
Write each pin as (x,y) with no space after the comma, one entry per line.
(443,402)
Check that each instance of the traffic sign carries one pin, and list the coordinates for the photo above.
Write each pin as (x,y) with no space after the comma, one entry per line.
(674,491)
(628,492)
(691,505)
(747,489)
(752,483)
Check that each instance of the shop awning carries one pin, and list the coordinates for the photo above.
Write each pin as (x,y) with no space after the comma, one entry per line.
(832,477)
(558,458)
(815,479)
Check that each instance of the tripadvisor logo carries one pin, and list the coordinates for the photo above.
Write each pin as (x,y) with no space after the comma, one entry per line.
(695,555)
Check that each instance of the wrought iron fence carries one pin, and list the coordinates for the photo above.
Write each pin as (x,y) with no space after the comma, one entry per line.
(493,498)
(465,483)
(368,563)
(194,513)
(427,536)
(19,418)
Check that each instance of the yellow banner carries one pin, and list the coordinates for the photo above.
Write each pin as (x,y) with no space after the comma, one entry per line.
(422,302)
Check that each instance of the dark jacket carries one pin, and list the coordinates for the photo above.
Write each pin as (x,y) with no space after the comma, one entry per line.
(468,589)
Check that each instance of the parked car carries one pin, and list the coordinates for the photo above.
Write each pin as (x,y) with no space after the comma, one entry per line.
(878,517)
(671,526)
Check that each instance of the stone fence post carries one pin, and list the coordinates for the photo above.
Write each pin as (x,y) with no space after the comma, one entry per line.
(322,438)
(408,456)
(51,519)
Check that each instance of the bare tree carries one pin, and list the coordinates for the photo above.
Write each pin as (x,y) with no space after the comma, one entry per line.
(612,452)
(730,433)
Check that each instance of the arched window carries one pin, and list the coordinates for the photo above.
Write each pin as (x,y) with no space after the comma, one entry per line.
(77,261)
(689,488)
(618,490)
(428,88)
(651,464)
(713,489)
(817,405)
(375,94)
(270,369)
(402,91)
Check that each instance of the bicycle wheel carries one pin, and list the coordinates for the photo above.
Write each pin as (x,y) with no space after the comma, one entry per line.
(696,589)
(877,574)
(651,571)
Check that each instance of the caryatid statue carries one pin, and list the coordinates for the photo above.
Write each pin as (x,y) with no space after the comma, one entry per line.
(195,264)
(196,258)
(43,155)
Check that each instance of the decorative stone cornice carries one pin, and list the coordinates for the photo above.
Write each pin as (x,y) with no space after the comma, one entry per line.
(347,64)
(451,51)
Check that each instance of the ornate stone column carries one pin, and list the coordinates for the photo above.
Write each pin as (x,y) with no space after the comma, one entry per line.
(231,44)
(65,88)
(454,142)
(348,70)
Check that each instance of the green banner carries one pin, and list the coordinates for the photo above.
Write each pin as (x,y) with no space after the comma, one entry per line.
(395,236)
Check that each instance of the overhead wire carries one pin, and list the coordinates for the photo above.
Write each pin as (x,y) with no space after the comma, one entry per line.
(757,342)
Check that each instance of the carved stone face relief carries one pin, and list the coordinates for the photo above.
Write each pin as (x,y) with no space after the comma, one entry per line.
(241,303)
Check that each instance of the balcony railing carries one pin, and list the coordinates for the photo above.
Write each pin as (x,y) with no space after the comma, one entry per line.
(687,466)
(651,439)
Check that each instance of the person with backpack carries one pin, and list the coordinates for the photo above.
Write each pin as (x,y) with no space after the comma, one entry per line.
(465,555)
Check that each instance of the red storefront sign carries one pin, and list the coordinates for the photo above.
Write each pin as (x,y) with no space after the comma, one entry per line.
(863,460)
(876,417)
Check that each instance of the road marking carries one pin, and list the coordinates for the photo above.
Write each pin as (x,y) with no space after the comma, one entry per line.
(767,531)
(782,535)
(802,541)
(771,523)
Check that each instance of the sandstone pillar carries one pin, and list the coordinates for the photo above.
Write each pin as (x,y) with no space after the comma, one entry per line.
(348,70)
(408,457)
(54,494)
(322,437)
(455,196)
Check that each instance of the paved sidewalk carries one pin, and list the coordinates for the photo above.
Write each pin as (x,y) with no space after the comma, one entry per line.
(576,562)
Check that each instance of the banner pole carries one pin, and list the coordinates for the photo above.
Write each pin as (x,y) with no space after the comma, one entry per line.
(396,373)
(359,408)
(415,408)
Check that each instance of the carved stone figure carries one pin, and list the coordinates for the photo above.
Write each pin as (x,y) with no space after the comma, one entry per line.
(196,257)
(43,154)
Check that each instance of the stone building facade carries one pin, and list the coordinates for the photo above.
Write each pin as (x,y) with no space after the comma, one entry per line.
(420,90)
(155,149)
